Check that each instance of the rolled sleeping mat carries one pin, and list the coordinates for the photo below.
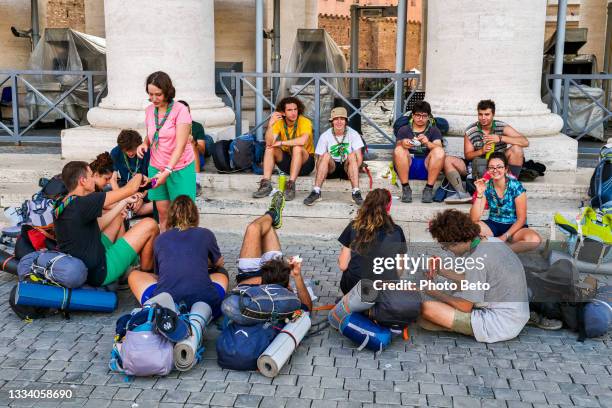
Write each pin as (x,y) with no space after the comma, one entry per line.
(584,267)
(272,360)
(8,262)
(351,302)
(186,351)
(163,299)
(361,330)
(56,297)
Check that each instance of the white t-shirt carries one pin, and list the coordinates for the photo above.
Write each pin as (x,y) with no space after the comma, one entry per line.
(339,147)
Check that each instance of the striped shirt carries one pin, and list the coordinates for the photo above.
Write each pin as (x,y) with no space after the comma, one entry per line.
(475,134)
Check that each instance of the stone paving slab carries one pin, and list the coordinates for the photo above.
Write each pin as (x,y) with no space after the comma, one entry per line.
(537,369)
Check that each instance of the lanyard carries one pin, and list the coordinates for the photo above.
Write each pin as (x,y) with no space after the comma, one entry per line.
(295,125)
(59,208)
(127,164)
(474,243)
(340,149)
(159,125)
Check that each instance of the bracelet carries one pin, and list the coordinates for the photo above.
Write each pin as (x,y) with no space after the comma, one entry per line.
(479,196)
(168,169)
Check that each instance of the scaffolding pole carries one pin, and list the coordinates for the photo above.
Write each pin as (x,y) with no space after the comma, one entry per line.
(400,56)
(259,64)
(559,51)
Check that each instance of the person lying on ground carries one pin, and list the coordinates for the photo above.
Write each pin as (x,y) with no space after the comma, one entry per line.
(419,137)
(188,262)
(289,145)
(126,164)
(372,234)
(482,137)
(490,315)
(338,155)
(261,260)
(507,200)
(106,255)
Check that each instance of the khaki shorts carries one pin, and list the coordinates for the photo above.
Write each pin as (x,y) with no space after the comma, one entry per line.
(462,323)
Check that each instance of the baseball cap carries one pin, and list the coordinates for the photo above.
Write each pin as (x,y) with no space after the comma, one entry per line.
(170,325)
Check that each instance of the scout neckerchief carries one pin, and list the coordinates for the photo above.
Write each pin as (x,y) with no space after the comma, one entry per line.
(61,205)
(474,244)
(499,202)
(131,172)
(340,151)
(295,126)
(159,125)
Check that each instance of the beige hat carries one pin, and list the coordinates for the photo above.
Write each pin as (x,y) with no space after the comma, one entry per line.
(338,112)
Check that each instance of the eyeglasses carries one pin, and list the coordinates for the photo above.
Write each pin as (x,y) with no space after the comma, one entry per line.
(421,115)
(495,168)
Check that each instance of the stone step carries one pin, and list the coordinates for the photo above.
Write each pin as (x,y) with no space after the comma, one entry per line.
(337,205)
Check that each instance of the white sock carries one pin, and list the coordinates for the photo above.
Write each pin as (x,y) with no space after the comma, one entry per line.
(316,189)
(355,189)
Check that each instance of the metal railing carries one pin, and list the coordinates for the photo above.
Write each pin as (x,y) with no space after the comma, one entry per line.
(563,105)
(84,82)
(239,79)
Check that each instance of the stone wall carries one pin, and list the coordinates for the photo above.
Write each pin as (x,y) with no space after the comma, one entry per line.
(376,40)
(66,13)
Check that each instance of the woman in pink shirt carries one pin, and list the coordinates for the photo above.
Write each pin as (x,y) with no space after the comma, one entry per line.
(168,127)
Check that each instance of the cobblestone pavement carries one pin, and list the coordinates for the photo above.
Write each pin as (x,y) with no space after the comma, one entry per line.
(537,369)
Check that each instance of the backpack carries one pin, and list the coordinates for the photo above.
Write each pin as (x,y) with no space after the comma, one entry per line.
(239,346)
(138,349)
(32,239)
(53,188)
(27,312)
(250,305)
(244,153)
(598,313)
(446,189)
(53,267)
(405,119)
(396,308)
(600,186)
(38,211)
(361,330)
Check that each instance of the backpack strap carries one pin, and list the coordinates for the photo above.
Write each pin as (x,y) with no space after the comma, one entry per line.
(48,269)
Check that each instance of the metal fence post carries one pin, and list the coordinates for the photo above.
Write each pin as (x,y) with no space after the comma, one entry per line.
(238,104)
(15,107)
(317,107)
(565,106)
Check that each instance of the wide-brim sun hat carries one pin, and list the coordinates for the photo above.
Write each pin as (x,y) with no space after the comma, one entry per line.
(338,112)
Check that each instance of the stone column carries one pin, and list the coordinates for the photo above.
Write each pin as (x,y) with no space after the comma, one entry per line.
(594,16)
(493,50)
(144,36)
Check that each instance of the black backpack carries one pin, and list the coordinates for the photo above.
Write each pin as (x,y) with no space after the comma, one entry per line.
(600,187)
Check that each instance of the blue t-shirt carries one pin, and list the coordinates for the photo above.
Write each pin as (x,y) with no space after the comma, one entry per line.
(127,167)
(503,210)
(181,262)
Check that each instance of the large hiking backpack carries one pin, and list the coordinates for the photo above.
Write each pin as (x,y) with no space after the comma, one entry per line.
(239,346)
(139,350)
(38,211)
(244,153)
(54,267)
(405,119)
(600,188)
(250,305)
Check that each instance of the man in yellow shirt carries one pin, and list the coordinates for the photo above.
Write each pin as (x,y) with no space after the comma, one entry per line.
(289,145)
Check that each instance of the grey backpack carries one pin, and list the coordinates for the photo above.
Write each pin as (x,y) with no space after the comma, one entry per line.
(54,267)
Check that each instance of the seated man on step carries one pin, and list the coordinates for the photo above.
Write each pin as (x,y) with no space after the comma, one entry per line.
(421,137)
(289,145)
(261,260)
(79,234)
(338,156)
(481,138)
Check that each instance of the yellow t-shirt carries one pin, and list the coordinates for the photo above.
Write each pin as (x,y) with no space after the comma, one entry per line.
(304,125)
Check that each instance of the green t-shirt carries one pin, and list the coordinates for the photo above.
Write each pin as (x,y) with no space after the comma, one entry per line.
(197,130)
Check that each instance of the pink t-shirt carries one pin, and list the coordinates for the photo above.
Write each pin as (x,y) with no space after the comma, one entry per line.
(160,155)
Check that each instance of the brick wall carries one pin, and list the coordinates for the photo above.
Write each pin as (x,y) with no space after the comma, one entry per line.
(66,13)
(376,40)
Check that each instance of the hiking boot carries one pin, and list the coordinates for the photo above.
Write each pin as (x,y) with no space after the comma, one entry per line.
(406,194)
(542,322)
(427,195)
(276,209)
(289,190)
(458,198)
(357,197)
(264,190)
(312,198)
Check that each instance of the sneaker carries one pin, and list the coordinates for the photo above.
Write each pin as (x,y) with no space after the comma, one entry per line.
(312,198)
(542,322)
(264,190)
(357,197)
(406,194)
(289,190)
(276,209)
(427,195)
(458,198)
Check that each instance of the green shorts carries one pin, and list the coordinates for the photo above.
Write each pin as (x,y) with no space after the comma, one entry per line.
(119,256)
(179,182)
